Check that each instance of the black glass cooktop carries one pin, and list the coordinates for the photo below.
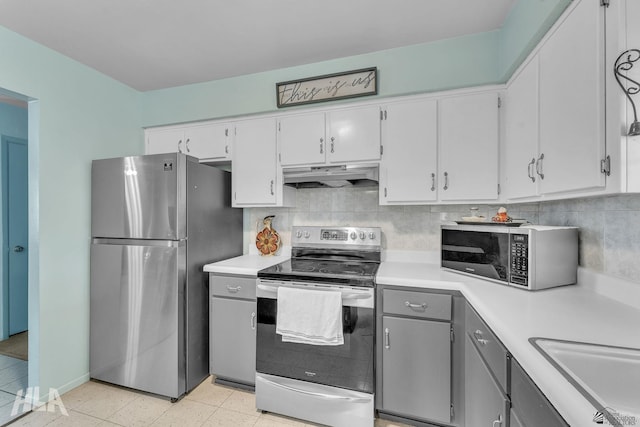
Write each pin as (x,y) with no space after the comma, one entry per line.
(353,273)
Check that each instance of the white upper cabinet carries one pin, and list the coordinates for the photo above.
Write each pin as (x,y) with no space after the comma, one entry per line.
(440,149)
(409,163)
(255,175)
(468,147)
(338,136)
(353,134)
(302,139)
(521,126)
(210,141)
(554,121)
(571,97)
(204,141)
(160,141)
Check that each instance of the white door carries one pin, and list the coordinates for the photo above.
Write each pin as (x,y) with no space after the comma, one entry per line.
(521,133)
(254,163)
(353,135)
(468,127)
(301,139)
(572,102)
(208,141)
(160,141)
(408,168)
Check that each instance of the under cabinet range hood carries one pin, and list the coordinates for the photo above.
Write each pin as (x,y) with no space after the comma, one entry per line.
(331,176)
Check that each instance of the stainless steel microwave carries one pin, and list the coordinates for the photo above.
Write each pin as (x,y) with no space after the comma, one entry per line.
(530,256)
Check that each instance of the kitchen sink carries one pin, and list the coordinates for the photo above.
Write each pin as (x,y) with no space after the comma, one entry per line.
(607,376)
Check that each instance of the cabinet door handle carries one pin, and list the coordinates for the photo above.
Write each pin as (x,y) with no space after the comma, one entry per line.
(332,143)
(497,422)
(180,146)
(272,193)
(422,306)
(539,170)
(530,169)
(433,182)
(386,339)
(186,144)
(321,145)
(233,289)
(226,149)
(385,192)
(478,336)
(253,320)
(446,181)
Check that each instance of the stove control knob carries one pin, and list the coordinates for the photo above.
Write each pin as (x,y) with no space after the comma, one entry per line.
(362,235)
(307,234)
(372,235)
(353,235)
(298,234)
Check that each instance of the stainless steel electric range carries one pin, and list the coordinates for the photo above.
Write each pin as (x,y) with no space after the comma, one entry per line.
(327,384)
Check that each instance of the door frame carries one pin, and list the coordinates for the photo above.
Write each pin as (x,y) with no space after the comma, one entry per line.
(4,146)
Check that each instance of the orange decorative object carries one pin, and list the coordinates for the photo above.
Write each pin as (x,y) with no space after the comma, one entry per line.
(501,216)
(268,239)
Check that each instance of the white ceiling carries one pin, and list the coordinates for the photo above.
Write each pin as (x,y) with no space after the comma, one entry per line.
(155,44)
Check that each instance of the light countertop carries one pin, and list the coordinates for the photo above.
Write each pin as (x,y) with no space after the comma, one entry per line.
(575,313)
(245,265)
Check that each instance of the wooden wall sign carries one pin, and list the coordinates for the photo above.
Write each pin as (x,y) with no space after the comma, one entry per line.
(348,84)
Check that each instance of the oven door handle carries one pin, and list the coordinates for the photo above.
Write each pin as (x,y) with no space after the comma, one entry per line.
(319,395)
(345,295)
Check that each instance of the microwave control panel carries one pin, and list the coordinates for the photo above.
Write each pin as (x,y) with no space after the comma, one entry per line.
(519,259)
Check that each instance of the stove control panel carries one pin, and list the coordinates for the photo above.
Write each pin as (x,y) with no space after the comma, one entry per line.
(336,236)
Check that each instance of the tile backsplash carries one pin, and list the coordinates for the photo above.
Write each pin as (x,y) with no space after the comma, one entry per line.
(609,225)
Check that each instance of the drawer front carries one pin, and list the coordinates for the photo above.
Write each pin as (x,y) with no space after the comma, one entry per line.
(232,287)
(417,304)
(491,349)
(528,402)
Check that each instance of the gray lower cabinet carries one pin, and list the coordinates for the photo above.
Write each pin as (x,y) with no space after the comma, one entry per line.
(485,403)
(528,405)
(419,367)
(498,392)
(233,329)
(486,375)
(416,368)
(514,420)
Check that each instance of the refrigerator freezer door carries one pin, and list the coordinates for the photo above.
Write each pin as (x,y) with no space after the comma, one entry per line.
(137,312)
(139,197)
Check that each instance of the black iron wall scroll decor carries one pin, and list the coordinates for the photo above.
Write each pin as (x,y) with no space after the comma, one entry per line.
(330,87)
(621,69)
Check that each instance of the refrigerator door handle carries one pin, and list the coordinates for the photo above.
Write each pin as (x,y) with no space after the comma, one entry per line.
(139,242)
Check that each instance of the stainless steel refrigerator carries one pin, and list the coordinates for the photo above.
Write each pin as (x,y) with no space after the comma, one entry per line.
(155,221)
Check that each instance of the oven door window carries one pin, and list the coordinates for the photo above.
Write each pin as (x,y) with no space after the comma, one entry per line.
(347,366)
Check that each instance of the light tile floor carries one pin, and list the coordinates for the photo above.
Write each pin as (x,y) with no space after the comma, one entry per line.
(13,377)
(208,405)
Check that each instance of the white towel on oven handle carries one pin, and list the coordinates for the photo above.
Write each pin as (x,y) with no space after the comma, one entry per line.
(309,316)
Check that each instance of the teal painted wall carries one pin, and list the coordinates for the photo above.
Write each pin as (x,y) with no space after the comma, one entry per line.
(527,22)
(80,115)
